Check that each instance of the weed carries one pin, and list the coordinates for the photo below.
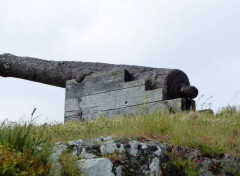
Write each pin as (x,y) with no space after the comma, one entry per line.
(24,149)
(116,158)
(212,133)
(180,166)
(69,164)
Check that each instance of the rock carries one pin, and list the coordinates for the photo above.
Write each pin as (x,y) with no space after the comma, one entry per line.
(108,138)
(54,159)
(85,155)
(158,152)
(118,170)
(120,148)
(57,151)
(134,157)
(155,167)
(96,167)
(74,143)
(204,165)
(108,149)
(144,146)
(132,148)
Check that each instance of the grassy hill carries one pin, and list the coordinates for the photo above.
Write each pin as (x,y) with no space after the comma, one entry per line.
(25,148)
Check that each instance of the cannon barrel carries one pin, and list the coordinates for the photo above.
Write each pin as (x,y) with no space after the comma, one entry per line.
(175,82)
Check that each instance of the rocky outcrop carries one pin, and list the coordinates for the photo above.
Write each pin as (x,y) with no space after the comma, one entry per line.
(106,156)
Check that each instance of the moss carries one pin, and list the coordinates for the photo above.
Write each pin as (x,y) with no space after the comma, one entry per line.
(216,167)
(180,167)
(211,152)
(231,170)
(13,163)
(116,158)
(177,166)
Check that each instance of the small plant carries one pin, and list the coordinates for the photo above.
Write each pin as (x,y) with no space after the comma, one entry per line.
(179,166)
(211,152)
(22,137)
(230,170)
(69,164)
(24,149)
(216,167)
(229,110)
(116,158)
(13,163)
(214,134)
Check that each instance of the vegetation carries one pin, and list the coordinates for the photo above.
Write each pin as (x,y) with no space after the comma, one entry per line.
(214,134)
(25,148)
(179,166)
(69,164)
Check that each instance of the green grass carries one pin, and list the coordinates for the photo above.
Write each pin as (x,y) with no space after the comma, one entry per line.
(213,134)
(179,166)
(24,149)
(69,164)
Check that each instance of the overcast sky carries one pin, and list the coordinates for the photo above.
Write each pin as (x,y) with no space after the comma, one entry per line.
(200,37)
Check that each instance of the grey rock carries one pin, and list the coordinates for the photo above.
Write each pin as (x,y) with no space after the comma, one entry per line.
(107,138)
(56,166)
(155,167)
(97,140)
(133,149)
(110,142)
(137,158)
(205,164)
(96,167)
(57,151)
(144,146)
(75,153)
(58,143)
(85,155)
(158,152)
(118,170)
(74,143)
(108,149)
(206,173)
(120,148)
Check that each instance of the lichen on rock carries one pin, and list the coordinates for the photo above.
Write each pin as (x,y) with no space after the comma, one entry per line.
(108,156)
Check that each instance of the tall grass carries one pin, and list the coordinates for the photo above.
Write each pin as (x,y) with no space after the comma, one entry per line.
(212,133)
(25,147)
(22,137)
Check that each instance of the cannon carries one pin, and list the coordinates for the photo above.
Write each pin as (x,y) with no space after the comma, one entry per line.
(173,83)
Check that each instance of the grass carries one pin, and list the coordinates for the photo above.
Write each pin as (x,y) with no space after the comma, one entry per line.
(214,134)
(24,149)
(69,164)
(179,166)
(20,144)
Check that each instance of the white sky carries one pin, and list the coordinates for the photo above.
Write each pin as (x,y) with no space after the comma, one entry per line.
(200,37)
